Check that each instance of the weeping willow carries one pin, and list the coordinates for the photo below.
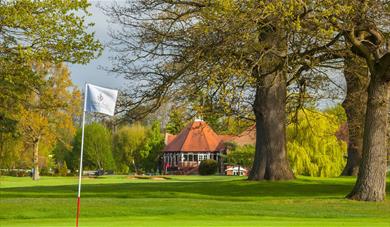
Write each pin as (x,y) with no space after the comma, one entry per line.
(313,148)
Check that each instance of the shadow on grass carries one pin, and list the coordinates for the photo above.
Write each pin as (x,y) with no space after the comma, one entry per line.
(167,189)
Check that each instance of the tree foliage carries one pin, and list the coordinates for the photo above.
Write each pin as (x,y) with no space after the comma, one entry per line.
(53,31)
(314,149)
(129,142)
(241,155)
(97,148)
(17,82)
(183,50)
(50,113)
(32,32)
(153,146)
(138,148)
(12,152)
(177,121)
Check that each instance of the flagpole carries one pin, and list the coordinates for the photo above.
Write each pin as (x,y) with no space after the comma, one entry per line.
(81,156)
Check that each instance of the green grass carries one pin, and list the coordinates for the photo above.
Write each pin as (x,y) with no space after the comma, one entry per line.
(186,201)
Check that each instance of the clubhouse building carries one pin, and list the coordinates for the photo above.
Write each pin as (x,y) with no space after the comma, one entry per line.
(197,142)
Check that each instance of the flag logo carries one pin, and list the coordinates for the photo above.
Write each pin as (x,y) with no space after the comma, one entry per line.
(100,99)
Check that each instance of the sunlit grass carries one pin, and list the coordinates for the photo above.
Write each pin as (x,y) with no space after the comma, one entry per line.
(186,201)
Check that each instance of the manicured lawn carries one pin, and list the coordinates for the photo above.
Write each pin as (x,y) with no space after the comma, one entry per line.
(186,201)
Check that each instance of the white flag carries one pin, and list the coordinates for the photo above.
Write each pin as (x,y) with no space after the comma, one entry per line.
(100,99)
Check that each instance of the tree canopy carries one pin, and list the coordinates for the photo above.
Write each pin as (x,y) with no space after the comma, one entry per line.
(128,146)
(314,149)
(39,32)
(97,147)
(138,148)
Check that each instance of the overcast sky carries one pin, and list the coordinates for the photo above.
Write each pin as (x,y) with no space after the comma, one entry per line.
(91,73)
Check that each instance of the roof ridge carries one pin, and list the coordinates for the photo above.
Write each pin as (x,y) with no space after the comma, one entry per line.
(186,136)
(204,135)
(215,135)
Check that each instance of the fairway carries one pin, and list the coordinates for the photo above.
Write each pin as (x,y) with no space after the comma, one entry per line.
(186,201)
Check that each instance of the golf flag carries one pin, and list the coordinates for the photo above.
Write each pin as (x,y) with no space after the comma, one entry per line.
(100,99)
(96,99)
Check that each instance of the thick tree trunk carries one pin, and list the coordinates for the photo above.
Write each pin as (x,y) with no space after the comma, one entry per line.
(35,175)
(355,104)
(270,162)
(371,181)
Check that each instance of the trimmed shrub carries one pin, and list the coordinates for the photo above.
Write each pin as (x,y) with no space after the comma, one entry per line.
(44,171)
(208,167)
(16,172)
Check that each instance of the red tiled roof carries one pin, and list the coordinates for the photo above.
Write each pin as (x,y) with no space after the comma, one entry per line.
(169,138)
(196,137)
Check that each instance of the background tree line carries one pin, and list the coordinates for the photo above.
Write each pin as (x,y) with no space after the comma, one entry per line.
(131,149)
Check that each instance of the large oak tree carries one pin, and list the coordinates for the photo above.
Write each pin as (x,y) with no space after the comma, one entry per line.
(365,26)
(367,36)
